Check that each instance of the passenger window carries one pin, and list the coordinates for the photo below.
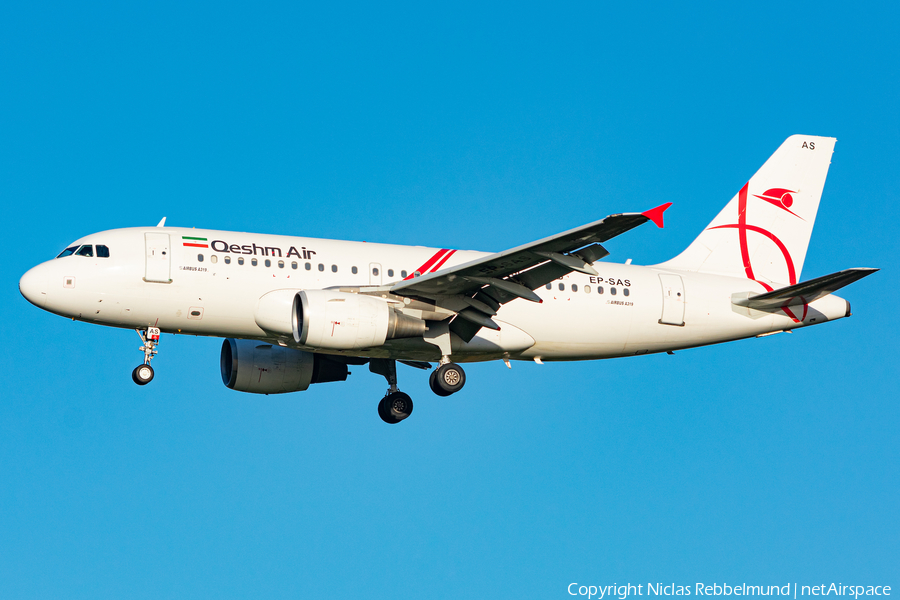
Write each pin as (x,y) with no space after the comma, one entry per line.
(254,262)
(562,287)
(68,251)
(587,289)
(390,272)
(227,260)
(612,291)
(321,267)
(199,258)
(268,263)
(294,265)
(308,266)
(240,260)
(403,274)
(280,264)
(354,270)
(549,286)
(626,292)
(86,250)
(574,288)
(214,259)
(334,268)
(102,251)
(599,289)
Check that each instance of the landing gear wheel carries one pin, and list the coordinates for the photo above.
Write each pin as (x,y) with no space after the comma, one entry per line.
(432,383)
(142,374)
(395,407)
(447,379)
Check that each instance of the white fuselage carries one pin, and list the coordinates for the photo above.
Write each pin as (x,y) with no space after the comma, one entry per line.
(207,291)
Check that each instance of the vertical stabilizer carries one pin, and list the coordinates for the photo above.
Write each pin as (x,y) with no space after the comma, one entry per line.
(763,233)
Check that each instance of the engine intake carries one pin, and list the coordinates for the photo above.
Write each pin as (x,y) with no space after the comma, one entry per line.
(260,368)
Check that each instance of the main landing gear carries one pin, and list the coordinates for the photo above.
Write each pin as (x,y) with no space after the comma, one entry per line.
(143,374)
(447,379)
(395,406)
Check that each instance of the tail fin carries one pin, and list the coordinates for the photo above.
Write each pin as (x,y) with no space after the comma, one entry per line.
(763,233)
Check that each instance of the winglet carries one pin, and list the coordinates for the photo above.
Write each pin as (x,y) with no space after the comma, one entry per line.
(656,214)
(162,223)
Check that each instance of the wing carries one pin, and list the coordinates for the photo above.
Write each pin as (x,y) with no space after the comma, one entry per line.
(481,286)
(805,292)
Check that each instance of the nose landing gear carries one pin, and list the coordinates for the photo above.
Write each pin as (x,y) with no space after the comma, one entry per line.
(143,374)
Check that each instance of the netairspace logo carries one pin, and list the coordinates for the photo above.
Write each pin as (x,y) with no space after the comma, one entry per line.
(623,591)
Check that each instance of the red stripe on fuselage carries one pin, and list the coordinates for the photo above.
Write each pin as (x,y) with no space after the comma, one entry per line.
(424,268)
(443,260)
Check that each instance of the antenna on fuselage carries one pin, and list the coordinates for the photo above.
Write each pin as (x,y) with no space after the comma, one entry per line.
(162,223)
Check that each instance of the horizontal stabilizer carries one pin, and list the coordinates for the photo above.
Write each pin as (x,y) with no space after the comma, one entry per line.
(805,292)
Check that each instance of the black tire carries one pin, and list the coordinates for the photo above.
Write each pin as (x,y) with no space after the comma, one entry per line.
(382,412)
(432,383)
(142,374)
(397,406)
(450,378)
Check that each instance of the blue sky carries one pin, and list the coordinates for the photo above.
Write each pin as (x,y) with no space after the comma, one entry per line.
(459,126)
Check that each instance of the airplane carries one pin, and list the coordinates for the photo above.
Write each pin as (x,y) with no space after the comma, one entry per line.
(295,311)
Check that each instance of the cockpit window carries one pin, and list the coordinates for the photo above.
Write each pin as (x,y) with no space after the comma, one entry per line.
(85,250)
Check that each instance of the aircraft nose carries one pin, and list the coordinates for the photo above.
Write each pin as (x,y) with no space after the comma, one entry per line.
(33,285)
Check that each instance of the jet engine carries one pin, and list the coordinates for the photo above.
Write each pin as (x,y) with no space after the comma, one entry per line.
(334,320)
(342,321)
(261,368)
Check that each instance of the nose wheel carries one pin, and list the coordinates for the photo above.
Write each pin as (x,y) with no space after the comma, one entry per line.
(143,374)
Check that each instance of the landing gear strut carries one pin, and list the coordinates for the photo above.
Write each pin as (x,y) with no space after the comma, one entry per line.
(395,406)
(143,374)
(447,379)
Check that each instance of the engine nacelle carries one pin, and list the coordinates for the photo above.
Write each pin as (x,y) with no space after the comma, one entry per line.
(276,313)
(343,321)
(261,368)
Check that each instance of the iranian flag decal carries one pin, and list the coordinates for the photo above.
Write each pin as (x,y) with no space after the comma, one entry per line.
(194,242)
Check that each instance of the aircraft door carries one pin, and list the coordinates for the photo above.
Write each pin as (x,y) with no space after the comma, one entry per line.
(673,299)
(374,274)
(157,258)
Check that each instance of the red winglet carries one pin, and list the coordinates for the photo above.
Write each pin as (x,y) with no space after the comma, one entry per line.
(656,214)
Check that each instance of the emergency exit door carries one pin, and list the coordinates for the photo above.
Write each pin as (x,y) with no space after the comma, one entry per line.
(158,258)
(673,299)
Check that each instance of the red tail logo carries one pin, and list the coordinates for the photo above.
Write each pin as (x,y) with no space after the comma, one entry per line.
(783,199)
